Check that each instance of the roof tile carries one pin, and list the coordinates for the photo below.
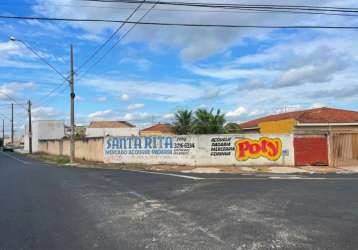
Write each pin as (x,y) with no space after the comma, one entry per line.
(318,115)
(110,124)
(163,128)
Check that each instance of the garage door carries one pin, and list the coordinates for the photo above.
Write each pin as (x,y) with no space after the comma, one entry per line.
(344,150)
(311,150)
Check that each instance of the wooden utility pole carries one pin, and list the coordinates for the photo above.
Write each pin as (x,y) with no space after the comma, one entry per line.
(12,123)
(30,127)
(72,82)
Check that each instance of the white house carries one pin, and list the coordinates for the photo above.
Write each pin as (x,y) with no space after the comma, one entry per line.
(111,128)
(43,130)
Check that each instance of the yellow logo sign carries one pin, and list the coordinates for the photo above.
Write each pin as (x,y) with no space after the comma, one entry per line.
(270,148)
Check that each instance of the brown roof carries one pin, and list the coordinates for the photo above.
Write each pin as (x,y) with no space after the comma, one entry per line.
(110,124)
(163,128)
(318,115)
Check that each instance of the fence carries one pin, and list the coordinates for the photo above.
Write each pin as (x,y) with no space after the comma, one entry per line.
(181,150)
(252,149)
(90,149)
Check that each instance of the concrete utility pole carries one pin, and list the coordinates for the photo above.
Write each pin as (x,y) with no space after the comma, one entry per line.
(12,123)
(30,127)
(72,82)
(3,132)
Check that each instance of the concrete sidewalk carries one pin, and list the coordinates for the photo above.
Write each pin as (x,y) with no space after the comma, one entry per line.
(211,169)
(262,169)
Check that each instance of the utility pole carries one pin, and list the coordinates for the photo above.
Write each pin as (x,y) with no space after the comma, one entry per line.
(30,127)
(12,123)
(3,132)
(72,82)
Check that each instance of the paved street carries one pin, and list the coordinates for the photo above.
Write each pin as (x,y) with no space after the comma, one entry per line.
(46,207)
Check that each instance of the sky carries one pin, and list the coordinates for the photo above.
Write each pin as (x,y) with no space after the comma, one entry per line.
(156,70)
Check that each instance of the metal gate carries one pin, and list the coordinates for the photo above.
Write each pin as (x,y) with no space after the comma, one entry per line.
(311,150)
(344,149)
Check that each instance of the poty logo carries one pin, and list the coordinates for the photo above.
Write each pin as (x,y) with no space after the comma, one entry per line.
(270,148)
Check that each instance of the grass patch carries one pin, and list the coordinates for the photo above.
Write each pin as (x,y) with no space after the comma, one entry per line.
(55,159)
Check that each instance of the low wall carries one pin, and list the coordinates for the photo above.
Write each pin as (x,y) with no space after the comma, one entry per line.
(90,149)
(198,150)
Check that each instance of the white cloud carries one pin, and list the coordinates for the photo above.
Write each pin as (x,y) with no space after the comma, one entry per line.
(168,116)
(138,116)
(79,98)
(102,99)
(240,111)
(230,72)
(256,112)
(15,55)
(176,91)
(99,115)
(91,37)
(13,89)
(289,108)
(135,106)
(124,97)
(141,63)
(193,43)
(43,113)
(317,105)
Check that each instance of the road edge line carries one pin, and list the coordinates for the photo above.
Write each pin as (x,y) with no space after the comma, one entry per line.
(168,174)
(15,158)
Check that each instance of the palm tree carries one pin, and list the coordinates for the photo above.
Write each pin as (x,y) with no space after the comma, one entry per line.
(201,124)
(232,128)
(183,122)
(206,122)
(217,122)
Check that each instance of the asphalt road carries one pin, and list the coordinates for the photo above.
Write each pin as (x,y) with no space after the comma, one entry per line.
(48,207)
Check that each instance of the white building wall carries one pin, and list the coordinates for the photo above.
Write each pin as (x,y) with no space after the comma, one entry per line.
(243,149)
(103,132)
(43,130)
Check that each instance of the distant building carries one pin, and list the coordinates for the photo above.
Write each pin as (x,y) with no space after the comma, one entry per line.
(80,131)
(18,141)
(43,130)
(157,129)
(111,128)
(319,120)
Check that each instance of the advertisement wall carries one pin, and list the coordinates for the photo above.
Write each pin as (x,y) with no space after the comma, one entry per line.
(199,150)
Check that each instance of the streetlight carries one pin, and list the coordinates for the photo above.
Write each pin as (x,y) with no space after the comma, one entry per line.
(13,39)
(69,79)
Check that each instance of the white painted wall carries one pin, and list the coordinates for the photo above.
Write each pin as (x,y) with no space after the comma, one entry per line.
(198,150)
(43,130)
(103,132)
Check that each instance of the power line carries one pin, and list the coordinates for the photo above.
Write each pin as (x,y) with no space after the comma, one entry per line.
(236,5)
(39,56)
(10,98)
(181,24)
(118,41)
(59,3)
(52,93)
(109,38)
(4,116)
(246,10)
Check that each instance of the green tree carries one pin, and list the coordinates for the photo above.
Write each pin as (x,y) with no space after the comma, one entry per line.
(232,128)
(207,122)
(183,122)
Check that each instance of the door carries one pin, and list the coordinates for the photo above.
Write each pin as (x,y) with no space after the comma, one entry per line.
(311,150)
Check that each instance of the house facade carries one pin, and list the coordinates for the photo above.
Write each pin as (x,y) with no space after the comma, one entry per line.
(322,136)
(43,130)
(111,128)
